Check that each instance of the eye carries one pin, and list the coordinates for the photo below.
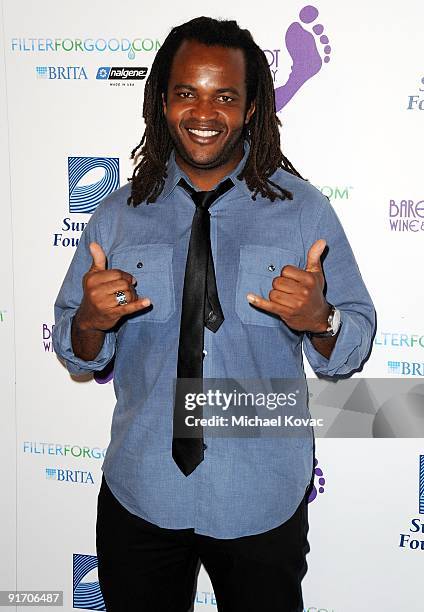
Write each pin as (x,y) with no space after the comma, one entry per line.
(184,94)
(223,98)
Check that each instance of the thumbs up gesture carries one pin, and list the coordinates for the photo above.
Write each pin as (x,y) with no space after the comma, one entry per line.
(297,295)
(100,309)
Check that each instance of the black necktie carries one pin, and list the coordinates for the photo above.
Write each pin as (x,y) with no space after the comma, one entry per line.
(200,307)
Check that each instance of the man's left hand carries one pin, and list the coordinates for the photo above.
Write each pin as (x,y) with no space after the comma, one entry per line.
(297,295)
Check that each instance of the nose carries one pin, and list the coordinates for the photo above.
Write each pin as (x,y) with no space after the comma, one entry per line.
(203,109)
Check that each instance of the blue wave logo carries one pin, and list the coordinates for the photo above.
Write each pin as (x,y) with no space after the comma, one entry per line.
(421,485)
(87,593)
(84,196)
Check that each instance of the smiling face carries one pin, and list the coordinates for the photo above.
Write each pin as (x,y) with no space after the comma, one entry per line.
(205,110)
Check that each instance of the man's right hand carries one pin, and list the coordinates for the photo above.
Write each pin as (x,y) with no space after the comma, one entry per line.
(99,308)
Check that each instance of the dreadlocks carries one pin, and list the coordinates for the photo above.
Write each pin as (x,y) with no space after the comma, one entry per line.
(262,132)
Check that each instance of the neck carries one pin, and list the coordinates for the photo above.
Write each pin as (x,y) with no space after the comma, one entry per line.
(206,179)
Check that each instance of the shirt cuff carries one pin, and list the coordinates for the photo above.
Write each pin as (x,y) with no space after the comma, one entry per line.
(348,353)
(62,344)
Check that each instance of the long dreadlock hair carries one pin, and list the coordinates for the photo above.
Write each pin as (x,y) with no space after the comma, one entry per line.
(262,132)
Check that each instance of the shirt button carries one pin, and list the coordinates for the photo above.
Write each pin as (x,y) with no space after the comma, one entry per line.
(271,267)
(205,446)
(140,264)
(205,352)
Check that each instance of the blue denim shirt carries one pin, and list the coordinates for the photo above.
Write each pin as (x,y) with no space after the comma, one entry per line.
(244,486)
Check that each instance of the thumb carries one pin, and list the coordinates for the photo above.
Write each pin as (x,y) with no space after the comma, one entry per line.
(99,257)
(313,261)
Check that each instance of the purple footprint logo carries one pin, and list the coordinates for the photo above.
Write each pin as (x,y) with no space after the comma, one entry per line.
(321,482)
(303,49)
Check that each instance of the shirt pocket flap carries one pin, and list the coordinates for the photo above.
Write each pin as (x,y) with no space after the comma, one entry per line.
(142,258)
(151,265)
(266,260)
(259,265)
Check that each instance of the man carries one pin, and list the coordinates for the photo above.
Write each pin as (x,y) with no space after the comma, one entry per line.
(237,504)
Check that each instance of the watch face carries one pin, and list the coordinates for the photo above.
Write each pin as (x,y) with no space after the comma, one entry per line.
(335,323)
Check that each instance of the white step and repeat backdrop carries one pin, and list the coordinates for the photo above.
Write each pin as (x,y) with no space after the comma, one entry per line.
(352,125)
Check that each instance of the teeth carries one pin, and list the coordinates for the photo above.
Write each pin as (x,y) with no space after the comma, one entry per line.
(204,133)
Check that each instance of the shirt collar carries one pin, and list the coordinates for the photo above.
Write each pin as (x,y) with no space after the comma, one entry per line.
(174,174)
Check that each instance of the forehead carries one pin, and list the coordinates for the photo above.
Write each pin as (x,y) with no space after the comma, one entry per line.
(195,61)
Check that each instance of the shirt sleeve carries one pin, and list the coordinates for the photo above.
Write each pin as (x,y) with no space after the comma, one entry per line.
(346,290)
(69,299)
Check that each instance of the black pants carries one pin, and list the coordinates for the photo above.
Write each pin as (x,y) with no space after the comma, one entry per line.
(145,568)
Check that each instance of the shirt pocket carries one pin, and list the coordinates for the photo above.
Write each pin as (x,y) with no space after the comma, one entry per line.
(258,266)
(151,265)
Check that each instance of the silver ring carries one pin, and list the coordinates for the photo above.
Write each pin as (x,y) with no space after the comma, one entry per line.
(120,298)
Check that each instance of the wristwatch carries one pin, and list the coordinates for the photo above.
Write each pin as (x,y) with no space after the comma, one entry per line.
(334,323)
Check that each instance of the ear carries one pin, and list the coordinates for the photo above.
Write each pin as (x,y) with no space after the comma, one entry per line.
(250,112)
(163,104)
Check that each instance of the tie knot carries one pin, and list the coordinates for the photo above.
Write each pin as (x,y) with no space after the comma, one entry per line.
(204,199)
